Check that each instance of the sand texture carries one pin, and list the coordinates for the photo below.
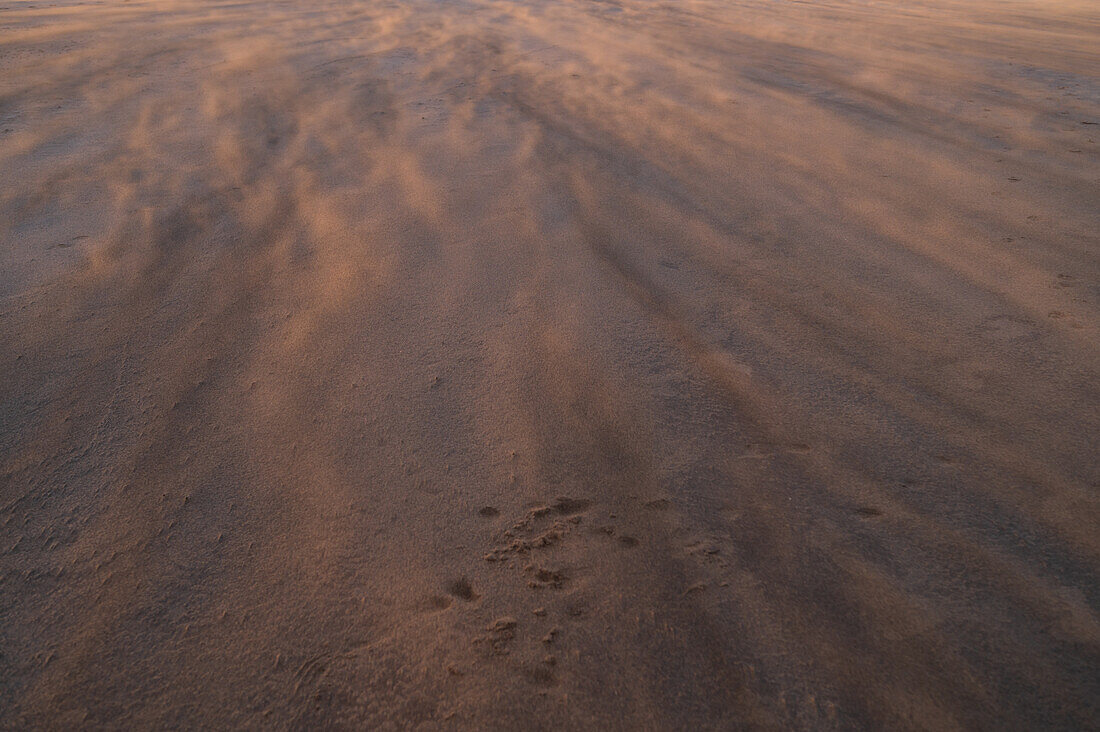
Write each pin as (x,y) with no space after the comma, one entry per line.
(572,364)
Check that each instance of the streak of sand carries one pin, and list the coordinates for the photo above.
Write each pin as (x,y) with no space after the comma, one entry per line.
(311,314)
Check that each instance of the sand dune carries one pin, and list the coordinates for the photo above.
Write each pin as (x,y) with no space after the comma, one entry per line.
(577,364)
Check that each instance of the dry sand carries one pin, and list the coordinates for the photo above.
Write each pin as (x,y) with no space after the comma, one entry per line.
(585,363)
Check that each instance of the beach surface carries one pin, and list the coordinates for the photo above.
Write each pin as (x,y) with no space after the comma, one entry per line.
(587,364)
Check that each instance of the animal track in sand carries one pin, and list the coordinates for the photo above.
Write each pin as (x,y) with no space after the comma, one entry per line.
(516,543)
(542,577)
(540,529)
(499,634)
(1063,315)
(710,559)
(624,539)
(504,625)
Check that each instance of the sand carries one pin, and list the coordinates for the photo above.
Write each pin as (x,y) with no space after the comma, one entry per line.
(583,364)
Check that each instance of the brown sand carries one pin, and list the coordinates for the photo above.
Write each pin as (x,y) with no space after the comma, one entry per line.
(585,363)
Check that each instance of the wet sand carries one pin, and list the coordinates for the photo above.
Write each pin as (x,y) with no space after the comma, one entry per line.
(577,364)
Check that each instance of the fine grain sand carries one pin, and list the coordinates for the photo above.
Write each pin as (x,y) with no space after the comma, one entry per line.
(575,363)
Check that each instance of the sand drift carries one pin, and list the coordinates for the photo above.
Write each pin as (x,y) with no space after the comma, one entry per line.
(574,364)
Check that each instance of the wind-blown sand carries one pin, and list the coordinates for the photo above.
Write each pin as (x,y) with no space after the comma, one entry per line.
(584,364)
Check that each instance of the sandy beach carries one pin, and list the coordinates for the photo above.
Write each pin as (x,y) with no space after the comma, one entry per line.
(586,364)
